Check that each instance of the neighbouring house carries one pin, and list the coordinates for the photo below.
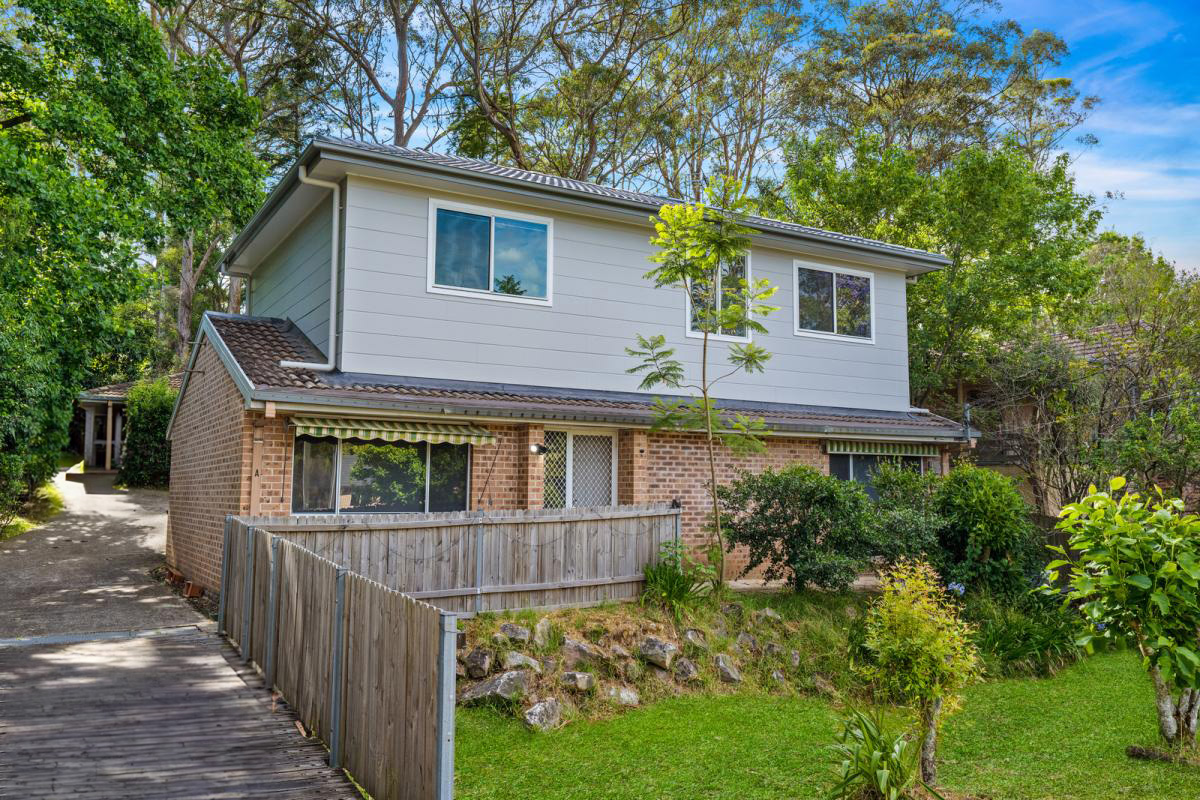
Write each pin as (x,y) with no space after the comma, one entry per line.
(103,432)
(430,333)
(1011,444)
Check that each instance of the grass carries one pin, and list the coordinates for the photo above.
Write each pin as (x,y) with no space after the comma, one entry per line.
(45,503)
(1018,739)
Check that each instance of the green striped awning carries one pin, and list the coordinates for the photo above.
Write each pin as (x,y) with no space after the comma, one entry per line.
(392,430)
(881,448)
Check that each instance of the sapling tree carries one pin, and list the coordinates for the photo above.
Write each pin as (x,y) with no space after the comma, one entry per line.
(918,651)
(1133,567)
(701,253)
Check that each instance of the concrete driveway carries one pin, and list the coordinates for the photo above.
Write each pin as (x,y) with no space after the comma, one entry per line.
(88,568)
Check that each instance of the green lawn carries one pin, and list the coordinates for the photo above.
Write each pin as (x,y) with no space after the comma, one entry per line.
(1060,738)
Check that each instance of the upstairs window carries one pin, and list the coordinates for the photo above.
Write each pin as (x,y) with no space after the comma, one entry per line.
(834,302)
(477,252)
(731,283)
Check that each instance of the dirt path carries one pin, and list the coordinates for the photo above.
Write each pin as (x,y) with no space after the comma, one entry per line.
(88,568)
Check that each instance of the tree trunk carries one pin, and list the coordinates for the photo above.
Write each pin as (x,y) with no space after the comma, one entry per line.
(1176,715)
(187,291)
(235,294)
(929,742)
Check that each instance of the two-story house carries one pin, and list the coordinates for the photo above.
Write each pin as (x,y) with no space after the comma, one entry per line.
(431,333)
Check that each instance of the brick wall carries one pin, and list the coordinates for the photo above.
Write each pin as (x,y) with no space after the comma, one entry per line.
(677,467)
(207,463)
(506,475)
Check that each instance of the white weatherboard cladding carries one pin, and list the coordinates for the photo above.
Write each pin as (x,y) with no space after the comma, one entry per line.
(293,281)
(393,326)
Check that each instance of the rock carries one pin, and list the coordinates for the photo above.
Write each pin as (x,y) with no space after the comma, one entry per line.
(578,681)
(733,611)
(499,639)
(515,660)
(515,633)
(795,659)
(507,687)
(658,652)
(766,615)
(460,671)
(778,676)
(686,670)
(544,715)
(616,651)
(659,673)
(727,671)
(773,649)
(478,663)
(549,664)
(575,652)
(823,685)
(747,642)
(541,633)
(632,670)
(719,627)
(695,638)
(623,696)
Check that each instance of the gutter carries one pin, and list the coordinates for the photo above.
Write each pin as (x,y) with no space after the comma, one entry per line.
(331,349)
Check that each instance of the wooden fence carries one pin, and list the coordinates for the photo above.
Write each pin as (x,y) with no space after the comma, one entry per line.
(467,562)
(368,669)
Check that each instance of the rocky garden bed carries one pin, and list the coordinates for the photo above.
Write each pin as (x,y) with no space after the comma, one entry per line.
(550,669)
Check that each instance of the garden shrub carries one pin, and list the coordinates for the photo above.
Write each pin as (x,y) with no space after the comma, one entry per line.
(918,651)
(146,459)
(989,536)
(910,525)
(1029,635)
(1136,577)
(806,527)
(872,761)
(676,582)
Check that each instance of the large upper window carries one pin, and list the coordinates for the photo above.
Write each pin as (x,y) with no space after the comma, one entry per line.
(579,469)
(834,302)
(732,281)
(355,476)
(475,251)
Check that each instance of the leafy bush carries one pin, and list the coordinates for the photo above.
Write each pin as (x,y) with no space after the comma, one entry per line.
(874,763)
(910,526)
(918,650)
(146,459)
(675,581)
(805,526)
(989,535)
(1031,636)
(1136,577)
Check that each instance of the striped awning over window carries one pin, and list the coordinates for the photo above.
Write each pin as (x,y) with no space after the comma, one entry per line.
(391,430)
(881,448)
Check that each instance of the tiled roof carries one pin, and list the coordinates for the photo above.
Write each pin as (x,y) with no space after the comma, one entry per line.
(258,344)
(650,201)
(1101,343)
(118,391)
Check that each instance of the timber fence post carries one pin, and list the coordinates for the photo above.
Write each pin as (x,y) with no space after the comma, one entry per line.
(224,574)
(335,676)
(248,595)
(272,614)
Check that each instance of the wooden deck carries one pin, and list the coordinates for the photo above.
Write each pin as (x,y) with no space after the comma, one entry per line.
(156,716)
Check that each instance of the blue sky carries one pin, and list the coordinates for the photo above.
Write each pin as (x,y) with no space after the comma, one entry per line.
(1143,60)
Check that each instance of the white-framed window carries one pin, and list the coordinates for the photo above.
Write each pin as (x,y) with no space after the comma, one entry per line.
(833,302)
(580,469)
(736,271)
(481,252)
(353,476)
